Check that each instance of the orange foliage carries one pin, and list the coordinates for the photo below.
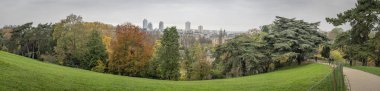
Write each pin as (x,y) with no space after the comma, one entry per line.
(130,51)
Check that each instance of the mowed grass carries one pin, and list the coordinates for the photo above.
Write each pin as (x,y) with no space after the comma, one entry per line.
(21,73)
(373,70)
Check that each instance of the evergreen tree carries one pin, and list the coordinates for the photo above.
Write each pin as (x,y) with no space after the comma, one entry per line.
(295,38)
(95,51)
(363,19)
(243,55)
(326,51)
(169,54)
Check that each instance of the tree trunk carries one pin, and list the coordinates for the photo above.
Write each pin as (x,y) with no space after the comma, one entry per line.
(377,63)
(364,62)
(350,62)
(298,62)
(299,59)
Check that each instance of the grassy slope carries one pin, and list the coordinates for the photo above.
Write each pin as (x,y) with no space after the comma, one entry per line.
(20,73)
(373,70)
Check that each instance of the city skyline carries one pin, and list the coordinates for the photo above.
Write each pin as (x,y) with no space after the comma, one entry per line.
(146,24)
(211,14)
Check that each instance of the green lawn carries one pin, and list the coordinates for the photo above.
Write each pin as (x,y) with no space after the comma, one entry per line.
(20,73)
(373,70)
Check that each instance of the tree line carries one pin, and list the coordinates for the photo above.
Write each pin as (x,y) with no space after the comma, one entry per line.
(123,50)
(128,50)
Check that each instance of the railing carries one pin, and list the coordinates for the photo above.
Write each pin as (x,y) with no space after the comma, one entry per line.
(334,81)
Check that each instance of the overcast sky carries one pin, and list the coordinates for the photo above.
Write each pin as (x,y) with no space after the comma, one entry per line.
(232,15)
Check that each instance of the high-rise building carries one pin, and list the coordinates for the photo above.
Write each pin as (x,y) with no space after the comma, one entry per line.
(145,24)
(161,26)
(150,26)
(200,28)
(187,26)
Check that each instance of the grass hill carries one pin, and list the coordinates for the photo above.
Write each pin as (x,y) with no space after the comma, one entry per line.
(21,73)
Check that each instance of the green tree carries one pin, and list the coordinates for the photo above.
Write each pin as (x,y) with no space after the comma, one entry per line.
(243,55)
(45,39)
(363,19)
(16,44)
(1,40)
(326,51)
(374,44)
(95,51)
(266,28)
(153,70)
(196,65)
(72,36)
(169,54)
(296,38)
(39,41)
(27,40)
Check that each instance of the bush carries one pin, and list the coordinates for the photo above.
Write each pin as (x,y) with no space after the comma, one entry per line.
(337,56)
(99,67)
(48,58)
(216,73)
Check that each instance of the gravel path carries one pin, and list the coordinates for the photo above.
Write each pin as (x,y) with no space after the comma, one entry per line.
(362,81)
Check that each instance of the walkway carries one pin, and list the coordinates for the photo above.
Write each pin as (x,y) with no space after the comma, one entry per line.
(362,81)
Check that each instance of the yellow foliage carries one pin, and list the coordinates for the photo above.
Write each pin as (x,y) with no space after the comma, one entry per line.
(107,42)
(100,66)
(337,56)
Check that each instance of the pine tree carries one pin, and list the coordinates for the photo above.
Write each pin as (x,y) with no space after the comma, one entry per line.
(95,51)
(169,54)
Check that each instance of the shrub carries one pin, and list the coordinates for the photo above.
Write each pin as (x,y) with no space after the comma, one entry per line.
(99,67)
(337,56)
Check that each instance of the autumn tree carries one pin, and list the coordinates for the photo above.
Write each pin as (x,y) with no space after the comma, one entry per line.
(197,67)
(6,33)
(169,54)
(131,51)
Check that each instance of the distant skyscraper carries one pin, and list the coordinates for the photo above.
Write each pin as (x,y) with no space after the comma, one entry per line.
(161,25)
(187,27)
(145,23)
(150,26)
(200,28)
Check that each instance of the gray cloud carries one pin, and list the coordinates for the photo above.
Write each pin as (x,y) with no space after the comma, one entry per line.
(234,15)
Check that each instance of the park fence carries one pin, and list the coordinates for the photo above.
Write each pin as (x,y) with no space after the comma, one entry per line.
(334,81)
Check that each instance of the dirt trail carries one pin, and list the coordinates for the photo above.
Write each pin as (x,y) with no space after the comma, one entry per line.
(362,81)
